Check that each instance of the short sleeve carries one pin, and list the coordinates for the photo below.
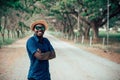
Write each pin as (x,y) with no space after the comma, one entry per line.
(31,46)
(49,45)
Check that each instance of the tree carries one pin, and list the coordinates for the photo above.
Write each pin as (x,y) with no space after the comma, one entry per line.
(96,13)
(91,12)
(16,11)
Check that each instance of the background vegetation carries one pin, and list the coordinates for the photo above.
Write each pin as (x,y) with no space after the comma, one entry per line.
(72,18)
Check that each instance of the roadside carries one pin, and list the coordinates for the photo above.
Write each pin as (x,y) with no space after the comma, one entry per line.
(14,61)
(111,55)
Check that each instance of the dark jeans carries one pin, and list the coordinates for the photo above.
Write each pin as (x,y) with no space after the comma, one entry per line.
(31,79)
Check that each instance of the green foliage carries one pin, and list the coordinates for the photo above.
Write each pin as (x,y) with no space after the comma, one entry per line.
(48,3)
(10,4)
(21,24)
(113,21)
(90,10)
(8,41)
(0,28)
(51,28)
(111,35)
(84,14)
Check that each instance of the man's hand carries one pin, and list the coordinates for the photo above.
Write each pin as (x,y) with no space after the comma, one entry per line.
(44,56)
(52,55)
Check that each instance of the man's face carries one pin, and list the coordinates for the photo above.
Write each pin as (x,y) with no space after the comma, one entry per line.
(39,30)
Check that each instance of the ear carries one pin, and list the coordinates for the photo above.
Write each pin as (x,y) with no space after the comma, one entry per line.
(34,30)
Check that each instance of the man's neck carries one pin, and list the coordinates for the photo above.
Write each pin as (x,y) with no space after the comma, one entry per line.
(40,38)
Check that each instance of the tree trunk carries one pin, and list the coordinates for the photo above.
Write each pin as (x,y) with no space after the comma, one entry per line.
(87,30)
(95,31)
(5,25)
(8,34)
(18,33)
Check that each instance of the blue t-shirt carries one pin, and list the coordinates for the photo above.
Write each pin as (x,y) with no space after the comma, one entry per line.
(39,69)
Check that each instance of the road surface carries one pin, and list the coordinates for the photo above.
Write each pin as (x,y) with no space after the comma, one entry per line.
(71,63)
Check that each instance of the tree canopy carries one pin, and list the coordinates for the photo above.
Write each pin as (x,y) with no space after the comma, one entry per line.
(69,14)
(92,12)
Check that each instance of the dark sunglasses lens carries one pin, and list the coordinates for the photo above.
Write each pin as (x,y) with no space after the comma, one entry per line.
(36,27)
(40,28)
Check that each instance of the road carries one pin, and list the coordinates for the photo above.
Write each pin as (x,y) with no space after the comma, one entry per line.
(71,63)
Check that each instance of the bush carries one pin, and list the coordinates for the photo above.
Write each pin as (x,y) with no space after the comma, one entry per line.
(51,29)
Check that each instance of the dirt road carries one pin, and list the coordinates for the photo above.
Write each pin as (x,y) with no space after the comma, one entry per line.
(71,63)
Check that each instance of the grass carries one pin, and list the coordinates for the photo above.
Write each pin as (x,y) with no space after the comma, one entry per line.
(6,41)
(102,34)
(111,34)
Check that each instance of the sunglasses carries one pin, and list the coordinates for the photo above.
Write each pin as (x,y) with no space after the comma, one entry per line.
(40,27)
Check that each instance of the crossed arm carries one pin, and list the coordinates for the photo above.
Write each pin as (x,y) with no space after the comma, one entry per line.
(44,56)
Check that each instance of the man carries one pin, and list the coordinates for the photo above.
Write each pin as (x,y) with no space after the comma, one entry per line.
(40,51)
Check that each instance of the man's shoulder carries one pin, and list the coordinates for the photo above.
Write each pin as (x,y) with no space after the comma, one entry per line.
(45,39)
(31,38)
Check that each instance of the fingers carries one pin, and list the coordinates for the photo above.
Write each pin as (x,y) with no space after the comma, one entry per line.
(39,50)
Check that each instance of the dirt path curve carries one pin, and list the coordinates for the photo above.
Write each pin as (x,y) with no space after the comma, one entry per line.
(71,63)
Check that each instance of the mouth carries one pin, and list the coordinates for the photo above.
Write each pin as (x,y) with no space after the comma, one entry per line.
(39,33)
